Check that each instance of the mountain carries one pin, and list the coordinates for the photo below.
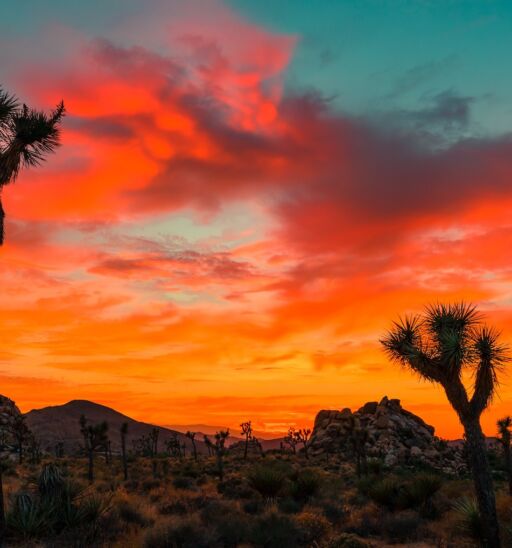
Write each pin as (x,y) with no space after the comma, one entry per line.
(202,429)
(60,423)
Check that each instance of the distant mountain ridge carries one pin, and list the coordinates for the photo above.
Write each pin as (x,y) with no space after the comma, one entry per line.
(60,423)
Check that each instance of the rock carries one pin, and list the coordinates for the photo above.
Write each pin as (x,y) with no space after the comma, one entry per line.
(368,408)
(416,452)
(392,433)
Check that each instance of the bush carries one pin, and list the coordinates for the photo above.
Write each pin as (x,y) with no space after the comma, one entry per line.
(235,487)
(306,484)
(128,513)
(180,533)
(267,481)
(469,520)
(274,530)
(346,540)
(183,482)
(312,527)
(27,518)
(402,526)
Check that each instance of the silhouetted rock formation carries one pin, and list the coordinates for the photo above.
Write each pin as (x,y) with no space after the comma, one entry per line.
(393,433)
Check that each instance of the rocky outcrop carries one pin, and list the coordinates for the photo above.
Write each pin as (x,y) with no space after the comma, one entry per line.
(391,433)
(9,412)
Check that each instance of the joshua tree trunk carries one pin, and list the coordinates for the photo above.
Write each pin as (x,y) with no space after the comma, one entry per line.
(220,466)
(246,447)
(508,465)
(123,453)
(482,480)
(90,473)
(194,449)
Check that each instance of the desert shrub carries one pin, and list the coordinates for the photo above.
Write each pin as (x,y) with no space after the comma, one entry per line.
(334,512)
(421,490)
(148,485)
(214,510)
(268,481)
(180,533)
(387,492)
(306,484)
(183,482)
(177,507)
(274,530)
(312,527)
(289,506)
(252,507)
(26,518)
(346,540)
(374,466)
(50,481)
(401,526)
(468,518)
(235,487)
(129,513)
(232,529)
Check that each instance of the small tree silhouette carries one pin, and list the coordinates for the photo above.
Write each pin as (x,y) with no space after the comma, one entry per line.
(27,136)
(95,437)
(358,436)
(192,437)
(504,436)
(439,346)
(291,439)
(124,433)
(302,436)
(20,433)
(218,449)
(247,432)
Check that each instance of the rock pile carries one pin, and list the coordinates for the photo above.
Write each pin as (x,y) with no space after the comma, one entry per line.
(8,413)
(391,432)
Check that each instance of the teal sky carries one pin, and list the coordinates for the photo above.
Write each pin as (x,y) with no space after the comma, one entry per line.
(368,55)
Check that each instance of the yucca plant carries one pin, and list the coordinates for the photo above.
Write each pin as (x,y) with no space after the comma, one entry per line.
(439,346)
(27,136)
(504,437)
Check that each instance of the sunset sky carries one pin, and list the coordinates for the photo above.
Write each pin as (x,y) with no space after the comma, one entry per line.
(247,194)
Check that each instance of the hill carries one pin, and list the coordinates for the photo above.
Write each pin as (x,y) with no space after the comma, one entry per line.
(60,423)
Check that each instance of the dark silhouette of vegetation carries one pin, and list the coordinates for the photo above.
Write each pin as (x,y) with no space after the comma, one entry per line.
(302,436)
(439,346)
(504,425)
(247,432)
(173,445)
(291,440)
(192,437)
(27,136)
(218,449)
(358,438)
(95,438)
(124,432)
(20,433)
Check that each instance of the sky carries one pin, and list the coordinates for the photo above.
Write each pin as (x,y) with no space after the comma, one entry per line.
(247,194)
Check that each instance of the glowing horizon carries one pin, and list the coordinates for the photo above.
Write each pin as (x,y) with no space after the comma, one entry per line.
(243,203)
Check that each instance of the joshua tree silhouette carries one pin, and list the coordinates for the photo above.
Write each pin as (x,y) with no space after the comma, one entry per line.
(247,432)
(504,436)
(95,437)
(27,136)
(439,346)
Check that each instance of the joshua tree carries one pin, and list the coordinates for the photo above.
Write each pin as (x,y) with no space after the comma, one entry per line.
(124,432)
(358,438)
(504,425)
(247,432)
(95,437)
(302,436)
(192,437)
(20,433)
(173,446)
(27,136)
(218,448)
(153,435)
(291,440)
(34,449)
(441,344)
